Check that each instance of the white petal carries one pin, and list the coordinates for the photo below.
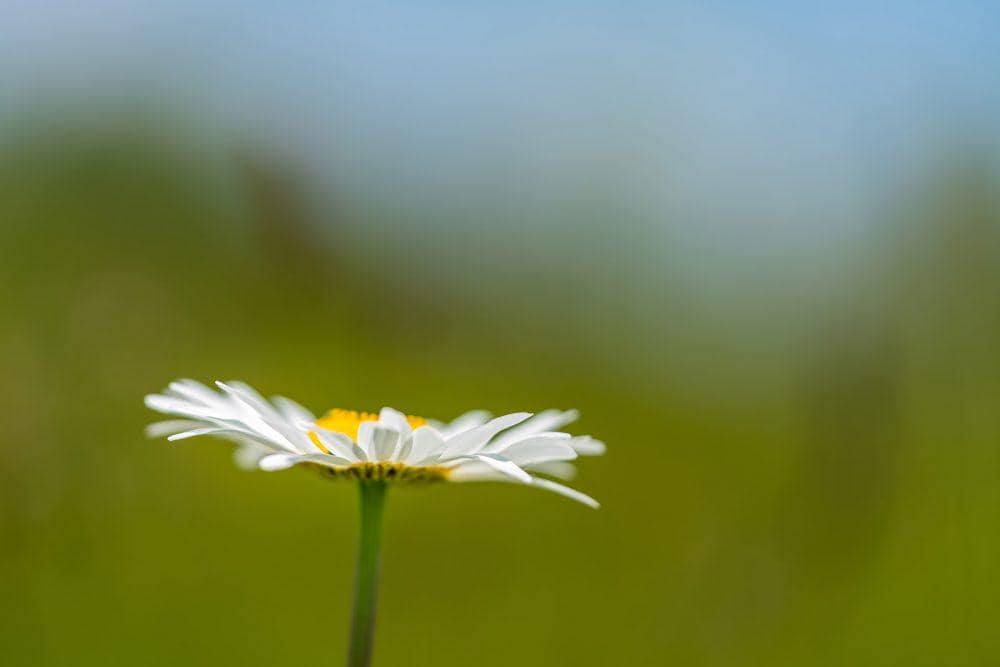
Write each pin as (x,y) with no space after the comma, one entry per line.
(193,390)
(247,455)
(479,471)
(278,461)
(546,420)
(539,450)
(503,466)
(176,406)
(364,441)
(248,394)
(236,413)
(403,450)
(427,445)
(246,412)
(208,430)
(587,446)
(231,429)
(378,441)
(530,439)
(265,420)
(291,410)
(565,491)
(385,441)
(327,460)
(395,420)
(285,461)
(338,444)
(464,422)
(170,426)
(471,470)
(473,440)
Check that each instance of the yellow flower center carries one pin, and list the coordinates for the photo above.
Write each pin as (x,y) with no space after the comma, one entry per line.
(348,421)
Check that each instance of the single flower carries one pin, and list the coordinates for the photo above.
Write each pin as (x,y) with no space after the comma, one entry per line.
(377,450)
(279,433)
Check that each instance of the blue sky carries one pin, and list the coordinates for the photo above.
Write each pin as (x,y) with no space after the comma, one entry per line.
(705,115)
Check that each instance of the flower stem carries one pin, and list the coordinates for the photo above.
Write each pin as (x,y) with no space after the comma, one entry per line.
(366,577)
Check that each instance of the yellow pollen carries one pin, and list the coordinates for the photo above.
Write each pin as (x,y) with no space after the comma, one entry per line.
(348,421)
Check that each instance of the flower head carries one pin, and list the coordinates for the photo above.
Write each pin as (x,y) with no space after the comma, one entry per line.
(279,433)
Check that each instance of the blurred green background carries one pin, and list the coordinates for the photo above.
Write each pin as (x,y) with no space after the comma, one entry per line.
(772,288)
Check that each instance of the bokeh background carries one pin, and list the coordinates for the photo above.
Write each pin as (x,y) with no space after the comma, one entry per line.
(756,243)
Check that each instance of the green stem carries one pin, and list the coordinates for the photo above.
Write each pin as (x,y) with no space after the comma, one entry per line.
(366,578)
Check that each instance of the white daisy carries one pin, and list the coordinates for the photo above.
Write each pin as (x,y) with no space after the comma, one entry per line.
(279,433)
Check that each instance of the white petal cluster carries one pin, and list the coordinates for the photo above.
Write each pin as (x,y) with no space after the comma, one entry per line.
(279,433)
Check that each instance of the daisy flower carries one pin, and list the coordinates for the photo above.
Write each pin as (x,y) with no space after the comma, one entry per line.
(279,433)
(378,450)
